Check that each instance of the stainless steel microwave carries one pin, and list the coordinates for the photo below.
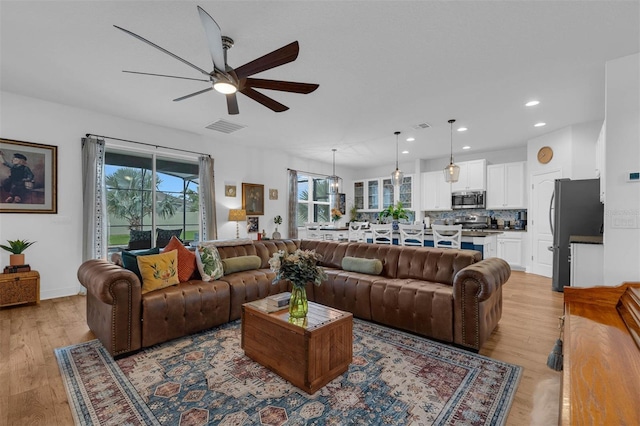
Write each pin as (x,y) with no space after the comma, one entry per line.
(468,200)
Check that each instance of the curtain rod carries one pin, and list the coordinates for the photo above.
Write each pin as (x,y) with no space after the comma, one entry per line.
(147,144)
(311,173)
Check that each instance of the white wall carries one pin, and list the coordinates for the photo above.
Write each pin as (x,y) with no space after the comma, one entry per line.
(622,245)
(57,253)
(584,138)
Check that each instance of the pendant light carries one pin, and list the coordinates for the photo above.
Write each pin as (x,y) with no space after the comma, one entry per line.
(452,171)
(397,175)
(334,181)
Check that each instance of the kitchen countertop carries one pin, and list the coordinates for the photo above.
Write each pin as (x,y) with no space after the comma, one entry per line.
(585,239)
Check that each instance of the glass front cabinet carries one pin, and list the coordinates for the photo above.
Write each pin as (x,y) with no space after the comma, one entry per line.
(379,193)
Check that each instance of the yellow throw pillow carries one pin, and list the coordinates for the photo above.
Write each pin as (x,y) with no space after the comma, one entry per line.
(158,270)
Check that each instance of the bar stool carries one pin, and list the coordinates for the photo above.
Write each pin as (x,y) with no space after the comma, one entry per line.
(447,236)
(382,233)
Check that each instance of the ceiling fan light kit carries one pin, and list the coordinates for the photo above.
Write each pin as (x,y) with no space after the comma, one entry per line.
(397,175)
(227,80)
(452,171)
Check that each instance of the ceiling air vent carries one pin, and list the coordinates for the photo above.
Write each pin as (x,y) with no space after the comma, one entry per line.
(421,126)
(225,126)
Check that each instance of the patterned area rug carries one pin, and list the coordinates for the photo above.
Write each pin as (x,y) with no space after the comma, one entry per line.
(395,379)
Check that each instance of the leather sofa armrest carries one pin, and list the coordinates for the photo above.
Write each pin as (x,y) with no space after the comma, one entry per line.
(477,298)
(113,305)
(480,280)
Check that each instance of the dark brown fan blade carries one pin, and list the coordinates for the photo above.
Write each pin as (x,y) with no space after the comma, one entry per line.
(193,94)
(232,104)
(162,50)
(164,75)
(214,39)
(274,59)
(264,100)
(283,86)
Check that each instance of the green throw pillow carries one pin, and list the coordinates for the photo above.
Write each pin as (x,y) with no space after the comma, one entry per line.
(241,263)
(130,259)
(364,266)
(208,261)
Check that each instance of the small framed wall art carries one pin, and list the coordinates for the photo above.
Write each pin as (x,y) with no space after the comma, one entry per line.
(253,199)
(273,194)
(253,224)
(28,177)
(229,190)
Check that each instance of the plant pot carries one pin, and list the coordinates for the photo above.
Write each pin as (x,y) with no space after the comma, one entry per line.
(16,259)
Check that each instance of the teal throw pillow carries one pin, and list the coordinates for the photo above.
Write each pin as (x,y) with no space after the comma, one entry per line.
(209,262)
(364,266)
(241,263)
(130,259)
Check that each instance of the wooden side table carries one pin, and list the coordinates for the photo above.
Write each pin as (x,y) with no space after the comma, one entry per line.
(19,288)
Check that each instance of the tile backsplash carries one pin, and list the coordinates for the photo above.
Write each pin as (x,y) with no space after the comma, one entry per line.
(499,215)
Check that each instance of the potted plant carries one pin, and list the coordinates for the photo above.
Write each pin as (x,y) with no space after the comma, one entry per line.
(353,212)
(278,221)
(396,212)
(16,247)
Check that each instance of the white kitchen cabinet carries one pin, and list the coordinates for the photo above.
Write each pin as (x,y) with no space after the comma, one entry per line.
(472,176)
(436,192)
(510,249)
(405,193)
(506,187)
(376,194)
(372,200)
(358,194)
(490,247)
(587,265)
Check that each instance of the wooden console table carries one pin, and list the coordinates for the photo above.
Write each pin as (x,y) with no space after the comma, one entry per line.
(19,288)
(601,370)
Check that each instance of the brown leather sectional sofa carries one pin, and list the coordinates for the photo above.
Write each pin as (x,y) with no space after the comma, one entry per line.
(448,295)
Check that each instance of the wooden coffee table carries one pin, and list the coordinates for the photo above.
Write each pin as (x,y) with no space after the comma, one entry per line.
(308,355)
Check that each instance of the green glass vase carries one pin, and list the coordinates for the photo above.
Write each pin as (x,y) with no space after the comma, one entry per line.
(298,305)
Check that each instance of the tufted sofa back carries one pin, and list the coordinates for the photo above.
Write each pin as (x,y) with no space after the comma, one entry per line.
(420,263)
(263,249)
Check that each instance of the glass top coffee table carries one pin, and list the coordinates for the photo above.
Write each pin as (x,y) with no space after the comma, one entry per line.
(308,353)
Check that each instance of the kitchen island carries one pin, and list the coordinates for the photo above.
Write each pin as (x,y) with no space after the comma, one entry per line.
(484,241)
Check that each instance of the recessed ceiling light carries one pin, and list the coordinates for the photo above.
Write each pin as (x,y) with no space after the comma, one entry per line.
(532,103)
(539,124)
(462,129)
(405,152)
(466,147)
(411,139)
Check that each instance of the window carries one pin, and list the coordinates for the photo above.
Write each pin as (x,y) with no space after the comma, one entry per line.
(313,199)
(135,220)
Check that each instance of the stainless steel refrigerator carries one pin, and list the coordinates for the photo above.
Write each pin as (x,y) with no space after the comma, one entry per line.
(575,210)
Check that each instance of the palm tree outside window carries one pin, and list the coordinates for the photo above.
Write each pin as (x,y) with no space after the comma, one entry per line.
(133,182)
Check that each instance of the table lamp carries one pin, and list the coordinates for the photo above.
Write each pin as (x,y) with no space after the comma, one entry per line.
(237,215)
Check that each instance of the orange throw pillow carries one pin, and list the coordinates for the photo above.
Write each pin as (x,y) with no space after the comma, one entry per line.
(186,259)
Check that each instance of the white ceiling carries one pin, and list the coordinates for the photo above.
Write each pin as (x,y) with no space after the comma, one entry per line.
(382,66)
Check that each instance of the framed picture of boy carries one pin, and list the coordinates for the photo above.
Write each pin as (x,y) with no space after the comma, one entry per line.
(28,177)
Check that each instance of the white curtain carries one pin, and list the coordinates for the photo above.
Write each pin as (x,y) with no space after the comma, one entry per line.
(292,210)
(94,214)
(207,193)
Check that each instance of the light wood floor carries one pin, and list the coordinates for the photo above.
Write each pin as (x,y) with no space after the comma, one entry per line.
(32,393)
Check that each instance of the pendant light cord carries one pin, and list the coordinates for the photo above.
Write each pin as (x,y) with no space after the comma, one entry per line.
(451,140)
(397,134)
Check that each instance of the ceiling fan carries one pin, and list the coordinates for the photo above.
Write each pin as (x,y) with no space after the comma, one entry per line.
(228,80)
